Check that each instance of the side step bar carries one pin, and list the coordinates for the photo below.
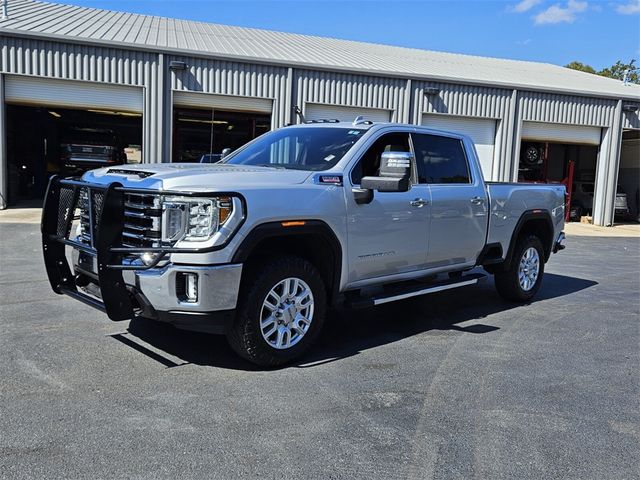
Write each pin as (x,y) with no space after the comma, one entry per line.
(414,290)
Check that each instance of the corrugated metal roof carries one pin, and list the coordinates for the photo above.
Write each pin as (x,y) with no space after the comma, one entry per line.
(59,21)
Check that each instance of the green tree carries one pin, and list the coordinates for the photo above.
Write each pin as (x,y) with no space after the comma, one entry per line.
(581,67)
(619,70)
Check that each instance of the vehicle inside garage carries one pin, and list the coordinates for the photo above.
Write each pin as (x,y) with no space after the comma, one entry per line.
(43,141)
(206,132)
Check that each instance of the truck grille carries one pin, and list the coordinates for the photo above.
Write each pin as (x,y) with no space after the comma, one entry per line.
(142,218)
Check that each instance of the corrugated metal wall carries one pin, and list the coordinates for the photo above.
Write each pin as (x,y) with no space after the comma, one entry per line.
(631,120)
(231,78)
(544,107)
(352,90)
(288,86)
(97,64)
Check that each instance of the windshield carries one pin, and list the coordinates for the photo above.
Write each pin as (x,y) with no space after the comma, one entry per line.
(309,148)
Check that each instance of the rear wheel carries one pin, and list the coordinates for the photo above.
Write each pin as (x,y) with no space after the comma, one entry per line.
(280,312)
(522,280)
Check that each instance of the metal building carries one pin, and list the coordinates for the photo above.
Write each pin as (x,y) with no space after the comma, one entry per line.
(170,90)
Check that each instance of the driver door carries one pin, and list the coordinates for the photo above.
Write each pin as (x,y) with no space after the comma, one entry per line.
(388,235)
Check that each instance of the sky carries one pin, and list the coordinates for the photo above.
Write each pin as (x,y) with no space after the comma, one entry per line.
(596,32)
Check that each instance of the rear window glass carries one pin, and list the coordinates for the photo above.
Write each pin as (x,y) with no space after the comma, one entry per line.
(440,159)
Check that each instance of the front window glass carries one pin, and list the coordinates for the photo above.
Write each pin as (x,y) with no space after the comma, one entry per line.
(369,164)
(309,148)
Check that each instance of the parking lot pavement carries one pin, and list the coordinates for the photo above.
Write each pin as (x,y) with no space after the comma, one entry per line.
(455,385)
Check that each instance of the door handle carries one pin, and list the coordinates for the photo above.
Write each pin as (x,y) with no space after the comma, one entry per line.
(477,200)
(418,202)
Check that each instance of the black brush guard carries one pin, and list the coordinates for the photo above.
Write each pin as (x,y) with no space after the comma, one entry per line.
(106,220)
(106,223)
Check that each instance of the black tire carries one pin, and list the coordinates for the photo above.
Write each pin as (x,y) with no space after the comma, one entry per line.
(507,281)
(245,336)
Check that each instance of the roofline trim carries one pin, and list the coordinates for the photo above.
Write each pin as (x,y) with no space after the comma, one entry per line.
(310,66)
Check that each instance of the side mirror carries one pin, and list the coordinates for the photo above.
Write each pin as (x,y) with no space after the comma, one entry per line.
(225,152)
(395,173)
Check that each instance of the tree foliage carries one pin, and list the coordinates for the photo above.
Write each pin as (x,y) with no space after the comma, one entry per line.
(616,71)
(583,67)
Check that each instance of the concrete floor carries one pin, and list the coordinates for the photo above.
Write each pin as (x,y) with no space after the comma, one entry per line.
(457,385)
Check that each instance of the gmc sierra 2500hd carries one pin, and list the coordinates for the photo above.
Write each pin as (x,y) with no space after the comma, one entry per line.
(258,245)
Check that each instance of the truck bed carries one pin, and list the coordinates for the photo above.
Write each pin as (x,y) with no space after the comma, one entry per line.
(508,201)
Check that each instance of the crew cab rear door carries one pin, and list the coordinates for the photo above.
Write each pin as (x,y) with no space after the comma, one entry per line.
(459,203)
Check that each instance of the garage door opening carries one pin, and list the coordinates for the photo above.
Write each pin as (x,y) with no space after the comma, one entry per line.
(202,134)
(43,141)
(629,173)
(573,165)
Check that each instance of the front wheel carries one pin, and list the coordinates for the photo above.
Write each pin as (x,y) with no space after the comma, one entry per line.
(280,312)
(522,280)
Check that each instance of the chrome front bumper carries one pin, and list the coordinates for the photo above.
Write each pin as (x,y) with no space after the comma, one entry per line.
(218,287)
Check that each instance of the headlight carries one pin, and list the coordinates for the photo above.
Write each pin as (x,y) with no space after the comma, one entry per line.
(198,219)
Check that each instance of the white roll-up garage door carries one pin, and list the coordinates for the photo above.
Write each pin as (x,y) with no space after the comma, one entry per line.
(556,132)
(319,111)
(72,94)
(223,102)
(481,130)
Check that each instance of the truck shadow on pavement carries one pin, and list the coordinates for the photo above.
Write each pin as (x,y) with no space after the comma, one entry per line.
(348,332)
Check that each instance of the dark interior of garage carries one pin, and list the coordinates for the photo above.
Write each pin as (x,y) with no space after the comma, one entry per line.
(573,165)
(629,173)
(43,141)
(198,132)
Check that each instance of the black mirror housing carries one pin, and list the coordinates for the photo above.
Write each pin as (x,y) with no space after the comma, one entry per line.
(385,184)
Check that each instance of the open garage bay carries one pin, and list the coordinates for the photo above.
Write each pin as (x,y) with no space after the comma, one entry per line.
(457,385)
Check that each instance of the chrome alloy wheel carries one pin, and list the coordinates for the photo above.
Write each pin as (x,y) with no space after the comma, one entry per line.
(529,269)
(286,314)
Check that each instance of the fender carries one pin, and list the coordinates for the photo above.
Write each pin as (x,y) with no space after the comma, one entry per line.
(295,228)
(524,218)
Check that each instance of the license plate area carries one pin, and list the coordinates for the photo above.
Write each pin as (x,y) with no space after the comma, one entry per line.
(88,262)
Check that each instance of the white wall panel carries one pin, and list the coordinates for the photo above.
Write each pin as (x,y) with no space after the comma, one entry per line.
(25,90)
(555,132)
(318,111)
(223,102)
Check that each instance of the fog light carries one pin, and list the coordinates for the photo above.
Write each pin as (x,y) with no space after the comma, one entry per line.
(148,258)
(191,287)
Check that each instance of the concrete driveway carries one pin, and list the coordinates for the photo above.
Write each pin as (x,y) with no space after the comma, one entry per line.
(456,385)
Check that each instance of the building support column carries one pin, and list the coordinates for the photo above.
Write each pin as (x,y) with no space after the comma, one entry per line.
(4,168)
(607,172)
(510,130)
(408,103)
(511,175)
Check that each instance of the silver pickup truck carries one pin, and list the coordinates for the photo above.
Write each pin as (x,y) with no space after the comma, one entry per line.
(259,245)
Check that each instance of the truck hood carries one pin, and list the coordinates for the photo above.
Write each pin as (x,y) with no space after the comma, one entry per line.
(196,177)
